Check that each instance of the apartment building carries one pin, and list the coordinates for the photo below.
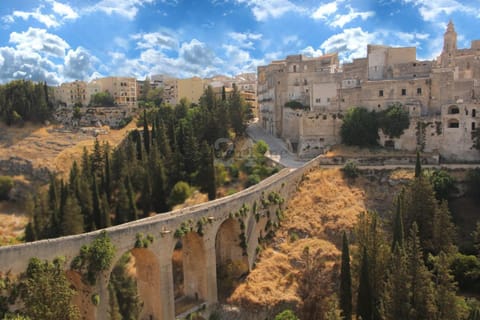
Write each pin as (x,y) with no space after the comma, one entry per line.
(72,93)
(441,96)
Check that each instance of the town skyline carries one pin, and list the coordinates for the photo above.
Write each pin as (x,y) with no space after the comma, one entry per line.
(135,38)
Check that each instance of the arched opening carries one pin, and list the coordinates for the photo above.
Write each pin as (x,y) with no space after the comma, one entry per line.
(124,299)
(453,123)
(189,267)
(147,270)
(232,262)
(453,109)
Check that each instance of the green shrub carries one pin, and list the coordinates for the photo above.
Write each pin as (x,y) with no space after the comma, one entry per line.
(180,192)
(350,170)
(253,179)
(6,184)
(466,270)
(286,315)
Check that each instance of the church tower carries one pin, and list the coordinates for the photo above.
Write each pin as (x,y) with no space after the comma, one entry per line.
(449,45)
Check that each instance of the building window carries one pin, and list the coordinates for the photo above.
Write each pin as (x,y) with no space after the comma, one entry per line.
(453,123)
(318,100)
(474,126)
(380,93)
(474,113)
(453,110)
(419,91)
(404,92)
(294,68)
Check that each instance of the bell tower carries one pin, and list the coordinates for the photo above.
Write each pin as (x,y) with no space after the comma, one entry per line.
(449,45)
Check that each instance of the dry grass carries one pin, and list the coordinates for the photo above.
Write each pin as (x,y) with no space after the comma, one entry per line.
(46,147)
(325,205)
(12,223)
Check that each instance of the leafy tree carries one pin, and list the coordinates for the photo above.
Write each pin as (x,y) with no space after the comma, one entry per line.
(46,292)
(443,183)
(345,281)
(359,128)
(394,120)
(102,99)
(466,270)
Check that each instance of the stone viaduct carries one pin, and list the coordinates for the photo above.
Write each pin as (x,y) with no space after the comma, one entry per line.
(212,234)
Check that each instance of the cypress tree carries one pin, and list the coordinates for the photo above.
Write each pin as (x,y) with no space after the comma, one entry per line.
(97,159)
(445,290)
(96,207)
(420,279)
(443,229)
(365,297)
(398,233)
(121,211)
(146,133)
(73,219)
(345,281)
(396,297)
(107,174)
(105,211)
(146,196)
(132,208)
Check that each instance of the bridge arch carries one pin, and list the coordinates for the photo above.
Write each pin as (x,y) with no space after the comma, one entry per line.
(231,256)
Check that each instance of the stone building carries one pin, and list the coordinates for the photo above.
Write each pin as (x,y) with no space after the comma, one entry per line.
(72,93)
(302,100)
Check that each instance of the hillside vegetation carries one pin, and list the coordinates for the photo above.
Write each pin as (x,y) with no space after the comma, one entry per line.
(325,205)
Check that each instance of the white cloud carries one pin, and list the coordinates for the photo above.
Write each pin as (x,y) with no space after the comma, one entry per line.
(311,52)
(79,64)
(325,10)
(350,43)
(63,10)
(197,55)
(40,41)
(162,40)
(49,20)
(246,39)
(20,64)
(265,9)
(430,10)
(125,8)
(341,20)
(59,13)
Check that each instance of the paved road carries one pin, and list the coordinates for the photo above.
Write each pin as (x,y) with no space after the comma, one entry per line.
(278,150)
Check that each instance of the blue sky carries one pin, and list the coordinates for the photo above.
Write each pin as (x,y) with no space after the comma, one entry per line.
(65,40)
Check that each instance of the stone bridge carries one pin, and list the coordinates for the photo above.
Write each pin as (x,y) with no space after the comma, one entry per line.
(214,234)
